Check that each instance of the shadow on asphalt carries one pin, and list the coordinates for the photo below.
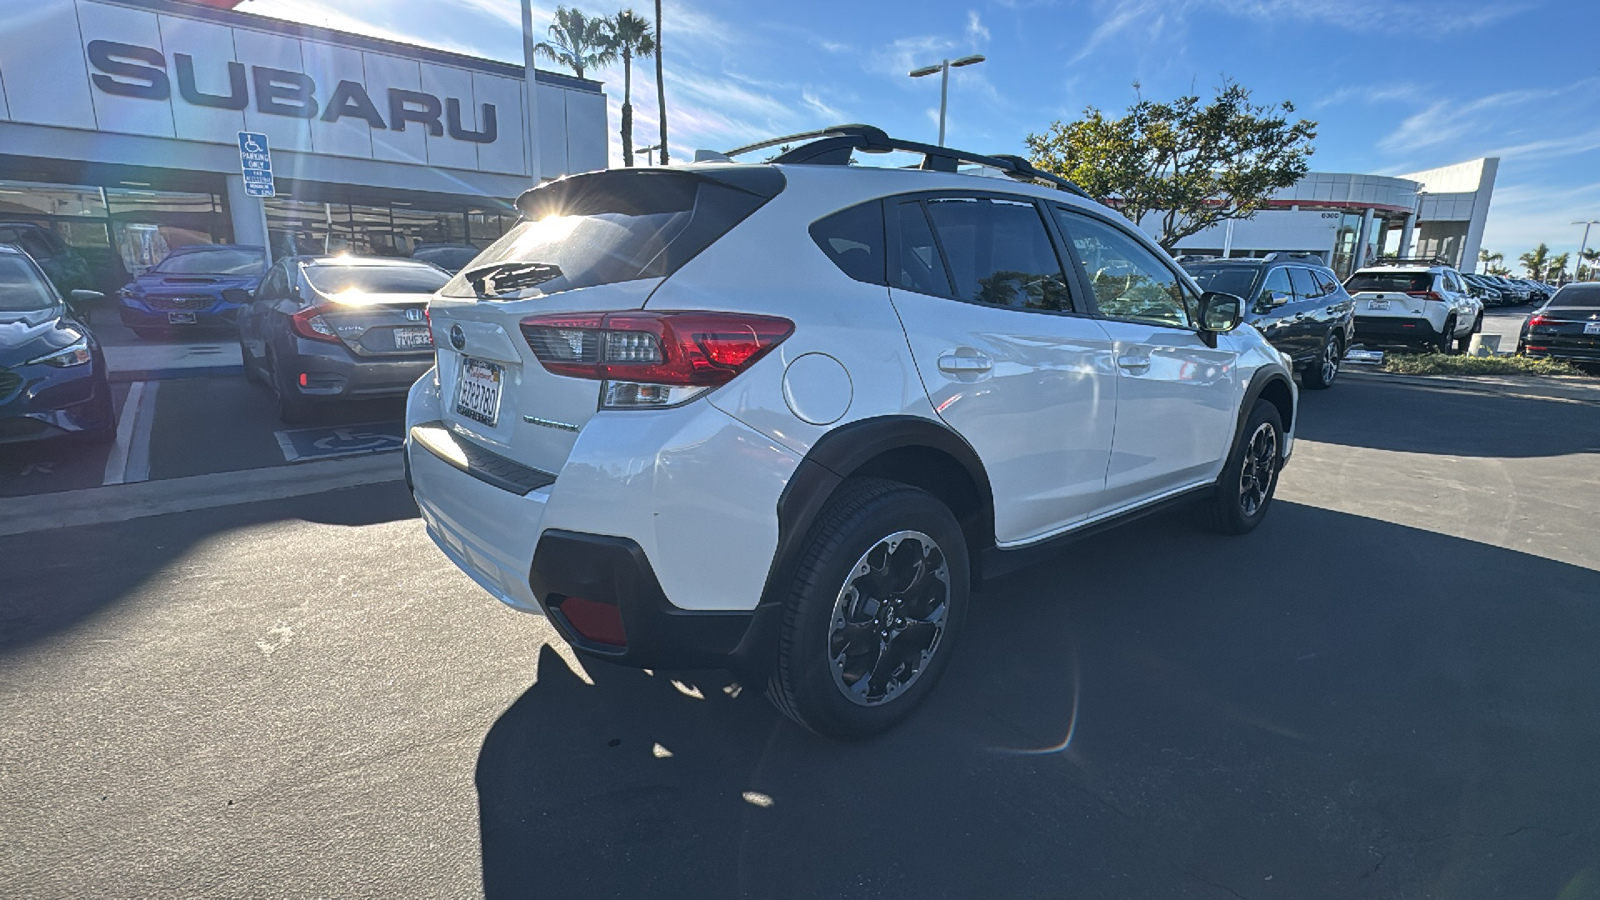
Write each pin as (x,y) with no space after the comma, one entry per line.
(1389,416)
(1333,706)
(107,562)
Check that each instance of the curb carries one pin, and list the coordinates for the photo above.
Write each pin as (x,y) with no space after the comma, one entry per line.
(126,375)
(1545,389)
(121,502)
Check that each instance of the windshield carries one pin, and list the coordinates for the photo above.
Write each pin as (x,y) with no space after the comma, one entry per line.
(214,261)
(1389,281)
(1236,280)
(450,259)
(1580,295)
(335,279)
(21,288)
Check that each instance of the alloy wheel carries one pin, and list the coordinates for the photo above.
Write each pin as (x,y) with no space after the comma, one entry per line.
(1259,469)
(889,618)
(1330,360)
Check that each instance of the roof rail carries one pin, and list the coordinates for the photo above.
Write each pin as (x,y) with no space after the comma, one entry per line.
(1296,254)
(834,146)
(1410,261)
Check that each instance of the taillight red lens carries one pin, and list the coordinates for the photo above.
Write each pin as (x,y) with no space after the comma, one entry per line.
(1424,295)
(689,349)
(1536,321)
(309,324)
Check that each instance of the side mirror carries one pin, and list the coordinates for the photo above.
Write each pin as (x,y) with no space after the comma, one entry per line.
(78,301)
(1276,299)
(1220,313)
(236,295)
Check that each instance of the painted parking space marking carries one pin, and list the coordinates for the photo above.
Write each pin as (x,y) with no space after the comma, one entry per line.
(129,460)
(340,440)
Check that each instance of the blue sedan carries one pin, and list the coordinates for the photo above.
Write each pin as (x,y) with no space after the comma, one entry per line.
(186,290)
(52,374)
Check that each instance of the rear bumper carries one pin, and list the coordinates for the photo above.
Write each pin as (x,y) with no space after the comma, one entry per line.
(136,314)
(334,373)
(1409,329)
(1548,349)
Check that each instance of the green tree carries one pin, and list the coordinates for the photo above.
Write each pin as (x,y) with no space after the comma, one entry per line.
(1535,261)
(661,88)
(629,37)
(577,41)
(1588,265)
(1557,269)
(1194,164)
(1490,259)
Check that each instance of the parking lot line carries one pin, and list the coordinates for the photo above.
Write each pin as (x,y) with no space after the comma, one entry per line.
(129,460)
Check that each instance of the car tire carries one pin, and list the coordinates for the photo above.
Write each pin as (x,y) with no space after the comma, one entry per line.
(1321,372)
(873,537)
(1447,336)
(1244,490)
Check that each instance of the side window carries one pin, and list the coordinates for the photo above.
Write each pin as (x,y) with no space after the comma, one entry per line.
(275,285)
(1329,284)
(921,267)
(1129,281)
(1000,253)
(1276,288)
(853,239)
(1305,287)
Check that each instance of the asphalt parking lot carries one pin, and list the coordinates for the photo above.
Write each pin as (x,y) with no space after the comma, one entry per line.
(1386,691)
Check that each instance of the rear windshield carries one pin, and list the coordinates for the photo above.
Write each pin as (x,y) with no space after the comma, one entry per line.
(1583,295)
(21,288)
(1389,281)
(1236,280)
(376,279)
(610,227)
(218,261)
(450,259)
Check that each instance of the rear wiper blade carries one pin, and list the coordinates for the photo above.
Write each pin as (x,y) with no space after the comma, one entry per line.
(504,278)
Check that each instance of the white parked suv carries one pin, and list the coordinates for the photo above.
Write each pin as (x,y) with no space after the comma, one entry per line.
(782,417)
(1421,302)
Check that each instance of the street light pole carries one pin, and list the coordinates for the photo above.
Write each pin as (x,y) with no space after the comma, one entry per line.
(943,68)
(650,153)
(1583,246)
(530,106)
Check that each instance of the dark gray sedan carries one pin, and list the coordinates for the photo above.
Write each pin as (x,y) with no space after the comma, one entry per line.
(320,329)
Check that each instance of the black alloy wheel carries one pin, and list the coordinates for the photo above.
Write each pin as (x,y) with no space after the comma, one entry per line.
(1321,372)
(1243,492)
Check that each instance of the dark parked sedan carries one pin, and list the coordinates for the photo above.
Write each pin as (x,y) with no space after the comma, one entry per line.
(1295,301)
(1567,327)
(321,329)
(52,374)
(188,289)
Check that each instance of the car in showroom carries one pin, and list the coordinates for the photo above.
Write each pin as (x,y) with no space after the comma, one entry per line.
(52,373)
(188,289)
(1295,301)
(1416,302)
(325,329)
(1566,327)
(781,417)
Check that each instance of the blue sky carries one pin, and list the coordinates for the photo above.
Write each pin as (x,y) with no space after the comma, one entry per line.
(1396,86)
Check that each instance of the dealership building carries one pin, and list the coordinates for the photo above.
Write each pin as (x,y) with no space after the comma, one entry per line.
(120,129)
(1348,219)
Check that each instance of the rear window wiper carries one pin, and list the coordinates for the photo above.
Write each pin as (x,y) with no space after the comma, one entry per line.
(504,278)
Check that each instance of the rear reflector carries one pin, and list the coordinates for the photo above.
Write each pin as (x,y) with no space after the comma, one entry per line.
(595,621)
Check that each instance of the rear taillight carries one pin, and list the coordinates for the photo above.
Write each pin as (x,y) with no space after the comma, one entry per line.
(1537,321)
(309,324)
(652,359)
(1424,295)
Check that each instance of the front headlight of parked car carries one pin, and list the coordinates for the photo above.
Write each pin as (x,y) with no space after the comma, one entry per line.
(75,354)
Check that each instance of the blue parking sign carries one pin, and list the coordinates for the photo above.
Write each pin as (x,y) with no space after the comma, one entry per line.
(255,163)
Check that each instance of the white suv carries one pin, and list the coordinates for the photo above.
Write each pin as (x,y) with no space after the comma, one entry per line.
(1421,302)
(782,417)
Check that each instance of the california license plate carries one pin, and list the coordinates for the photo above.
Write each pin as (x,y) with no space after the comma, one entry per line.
(180,318)
(478,390)
(1377,304)
(419,338)
(1591,328)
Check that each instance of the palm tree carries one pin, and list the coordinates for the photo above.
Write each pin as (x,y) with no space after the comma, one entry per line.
(629,37)
(1490,259)
(1536,260)
(1557,269)
(661,88)
(1588,264)
(577,41)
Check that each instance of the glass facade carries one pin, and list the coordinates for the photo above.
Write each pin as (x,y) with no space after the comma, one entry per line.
(299,226)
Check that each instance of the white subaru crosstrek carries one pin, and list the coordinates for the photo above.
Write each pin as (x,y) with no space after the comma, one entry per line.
(782,417)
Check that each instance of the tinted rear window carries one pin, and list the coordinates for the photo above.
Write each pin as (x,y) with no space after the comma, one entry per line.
(1236,280)
(999,253)
(610,227)
(218,261)
(853,239)
(376,279)
(1584,295)
(21,288)
(1389,281)
(450,259)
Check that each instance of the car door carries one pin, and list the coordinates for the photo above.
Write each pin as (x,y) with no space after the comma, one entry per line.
(253,321)
(1308,324)
(1272,312)
(1176,397)
(1010,361)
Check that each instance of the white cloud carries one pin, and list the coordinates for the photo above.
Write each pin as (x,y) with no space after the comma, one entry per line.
(977,34)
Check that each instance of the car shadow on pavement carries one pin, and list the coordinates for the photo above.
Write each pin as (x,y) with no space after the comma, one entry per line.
(1417,419)
(1333,706)
(107,562)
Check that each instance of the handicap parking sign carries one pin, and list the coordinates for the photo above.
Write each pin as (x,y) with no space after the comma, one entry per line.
(255,163)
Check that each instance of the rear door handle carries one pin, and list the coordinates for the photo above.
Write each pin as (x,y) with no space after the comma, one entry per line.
(1134,363)
(965,365)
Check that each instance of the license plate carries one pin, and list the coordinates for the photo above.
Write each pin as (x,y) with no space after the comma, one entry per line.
(1591,328)
(1377,304)
(180,318)
(413,338)
(478,392)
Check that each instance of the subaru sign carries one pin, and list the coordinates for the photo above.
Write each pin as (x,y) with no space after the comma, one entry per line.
(255,161)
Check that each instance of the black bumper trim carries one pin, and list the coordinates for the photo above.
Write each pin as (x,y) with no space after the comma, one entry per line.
(1395,327)
(615,570)
(479,462)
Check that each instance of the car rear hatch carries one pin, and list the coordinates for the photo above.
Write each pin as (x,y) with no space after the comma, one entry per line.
(592,243)
(1565,328)
(381,324)
(1391,293)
